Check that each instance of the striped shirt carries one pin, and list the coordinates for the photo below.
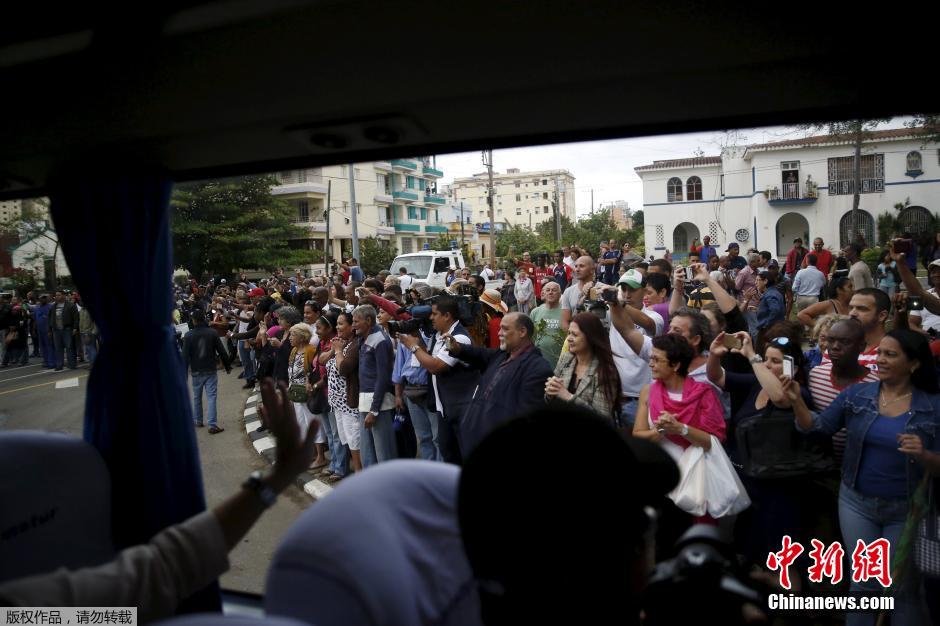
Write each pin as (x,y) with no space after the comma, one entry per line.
(869,358)
(823,387)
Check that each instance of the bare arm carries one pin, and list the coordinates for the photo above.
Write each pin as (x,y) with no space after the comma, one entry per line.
(726,302)
(765,378)
(677,300)
(931,302)
(716,373)
(565,319)
(641,425)
(431,364)
(807,317)
(620,317)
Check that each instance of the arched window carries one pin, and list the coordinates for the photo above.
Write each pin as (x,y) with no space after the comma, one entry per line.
(674,189)
(693,188)
(914,162)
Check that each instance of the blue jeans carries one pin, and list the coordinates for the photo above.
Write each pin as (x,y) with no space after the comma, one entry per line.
(628,413)
(869,518)
(90,343)
(751,318)
(378,442)
(246,355)
(209,381)
(62,338)
(425,425)
(339,456)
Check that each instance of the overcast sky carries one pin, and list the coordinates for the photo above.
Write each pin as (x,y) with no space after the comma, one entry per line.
(607,166)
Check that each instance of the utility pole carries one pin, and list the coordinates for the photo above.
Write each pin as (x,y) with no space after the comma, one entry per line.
(352,203)
(592,202)
(327,248)
(488,162)
(462,242)
(558,213)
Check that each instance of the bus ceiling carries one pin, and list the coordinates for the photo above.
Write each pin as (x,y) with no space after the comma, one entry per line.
(223,88)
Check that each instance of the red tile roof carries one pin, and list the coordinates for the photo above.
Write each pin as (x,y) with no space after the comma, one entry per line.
(677,163)
(896,133)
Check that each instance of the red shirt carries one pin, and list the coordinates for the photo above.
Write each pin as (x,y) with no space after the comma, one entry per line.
(823,261)
(540,273)
(494,331)
(527,266)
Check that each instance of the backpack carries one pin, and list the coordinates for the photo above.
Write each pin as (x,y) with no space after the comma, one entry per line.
(770,446)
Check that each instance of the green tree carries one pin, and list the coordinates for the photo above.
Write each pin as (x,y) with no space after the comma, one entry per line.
(376,255)
(856,131)
(24,281)
(638,219)
(515,240)
(442,243)
(220,226)
(32,222)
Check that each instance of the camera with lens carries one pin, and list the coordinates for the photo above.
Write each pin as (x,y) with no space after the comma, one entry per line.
(704,572)
(468,307)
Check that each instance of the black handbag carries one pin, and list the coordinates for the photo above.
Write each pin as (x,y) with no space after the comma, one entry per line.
(317,401)
(770,446)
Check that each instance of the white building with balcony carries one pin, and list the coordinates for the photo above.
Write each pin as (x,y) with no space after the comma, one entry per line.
(764,196)
(522,198)
(396,201)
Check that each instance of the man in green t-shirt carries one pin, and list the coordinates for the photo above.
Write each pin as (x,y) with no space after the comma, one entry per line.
(549,335)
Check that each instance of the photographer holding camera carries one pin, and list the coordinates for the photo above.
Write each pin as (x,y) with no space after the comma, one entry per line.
(451,379)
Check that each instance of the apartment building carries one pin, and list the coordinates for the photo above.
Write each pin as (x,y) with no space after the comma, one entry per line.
(764,196)
(396,201)
(522,198)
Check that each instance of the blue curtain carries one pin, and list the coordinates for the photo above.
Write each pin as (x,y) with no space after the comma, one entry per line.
(113,226)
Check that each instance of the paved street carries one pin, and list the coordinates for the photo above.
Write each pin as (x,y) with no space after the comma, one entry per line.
(33,398)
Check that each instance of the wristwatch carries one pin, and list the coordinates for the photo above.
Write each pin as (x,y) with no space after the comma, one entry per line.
(756,359)
(265,493)
(414,348)
(685,430)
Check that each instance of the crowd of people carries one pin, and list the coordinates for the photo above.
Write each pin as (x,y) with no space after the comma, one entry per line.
(58,329)
(828,420)
(702,355)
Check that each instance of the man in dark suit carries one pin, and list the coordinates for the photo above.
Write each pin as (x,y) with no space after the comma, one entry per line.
(64,327)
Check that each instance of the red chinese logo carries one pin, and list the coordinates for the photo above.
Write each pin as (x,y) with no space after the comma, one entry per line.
(869,561)
(783,559)
(872,561)
(826,563)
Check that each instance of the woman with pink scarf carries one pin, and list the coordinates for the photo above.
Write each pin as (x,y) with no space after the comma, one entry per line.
(681,412)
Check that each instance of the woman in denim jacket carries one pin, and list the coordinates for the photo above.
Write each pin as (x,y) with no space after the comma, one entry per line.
(892,440)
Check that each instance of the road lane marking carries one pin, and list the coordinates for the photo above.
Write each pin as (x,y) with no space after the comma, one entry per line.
(3,393)
(6,380)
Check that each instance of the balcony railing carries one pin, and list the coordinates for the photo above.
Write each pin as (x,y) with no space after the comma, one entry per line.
(790,193)
(434,198)
(406,196)
(430,171)
(404,164)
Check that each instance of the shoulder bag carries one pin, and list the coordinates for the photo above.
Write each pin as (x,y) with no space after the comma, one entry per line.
(770,446)
(317,401)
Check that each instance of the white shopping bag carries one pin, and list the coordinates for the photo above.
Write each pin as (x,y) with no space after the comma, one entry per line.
(708,483)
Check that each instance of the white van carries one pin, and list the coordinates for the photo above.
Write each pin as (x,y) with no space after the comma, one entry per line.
(429,266)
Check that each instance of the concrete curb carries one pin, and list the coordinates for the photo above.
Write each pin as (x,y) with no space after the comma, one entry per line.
(263,443)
